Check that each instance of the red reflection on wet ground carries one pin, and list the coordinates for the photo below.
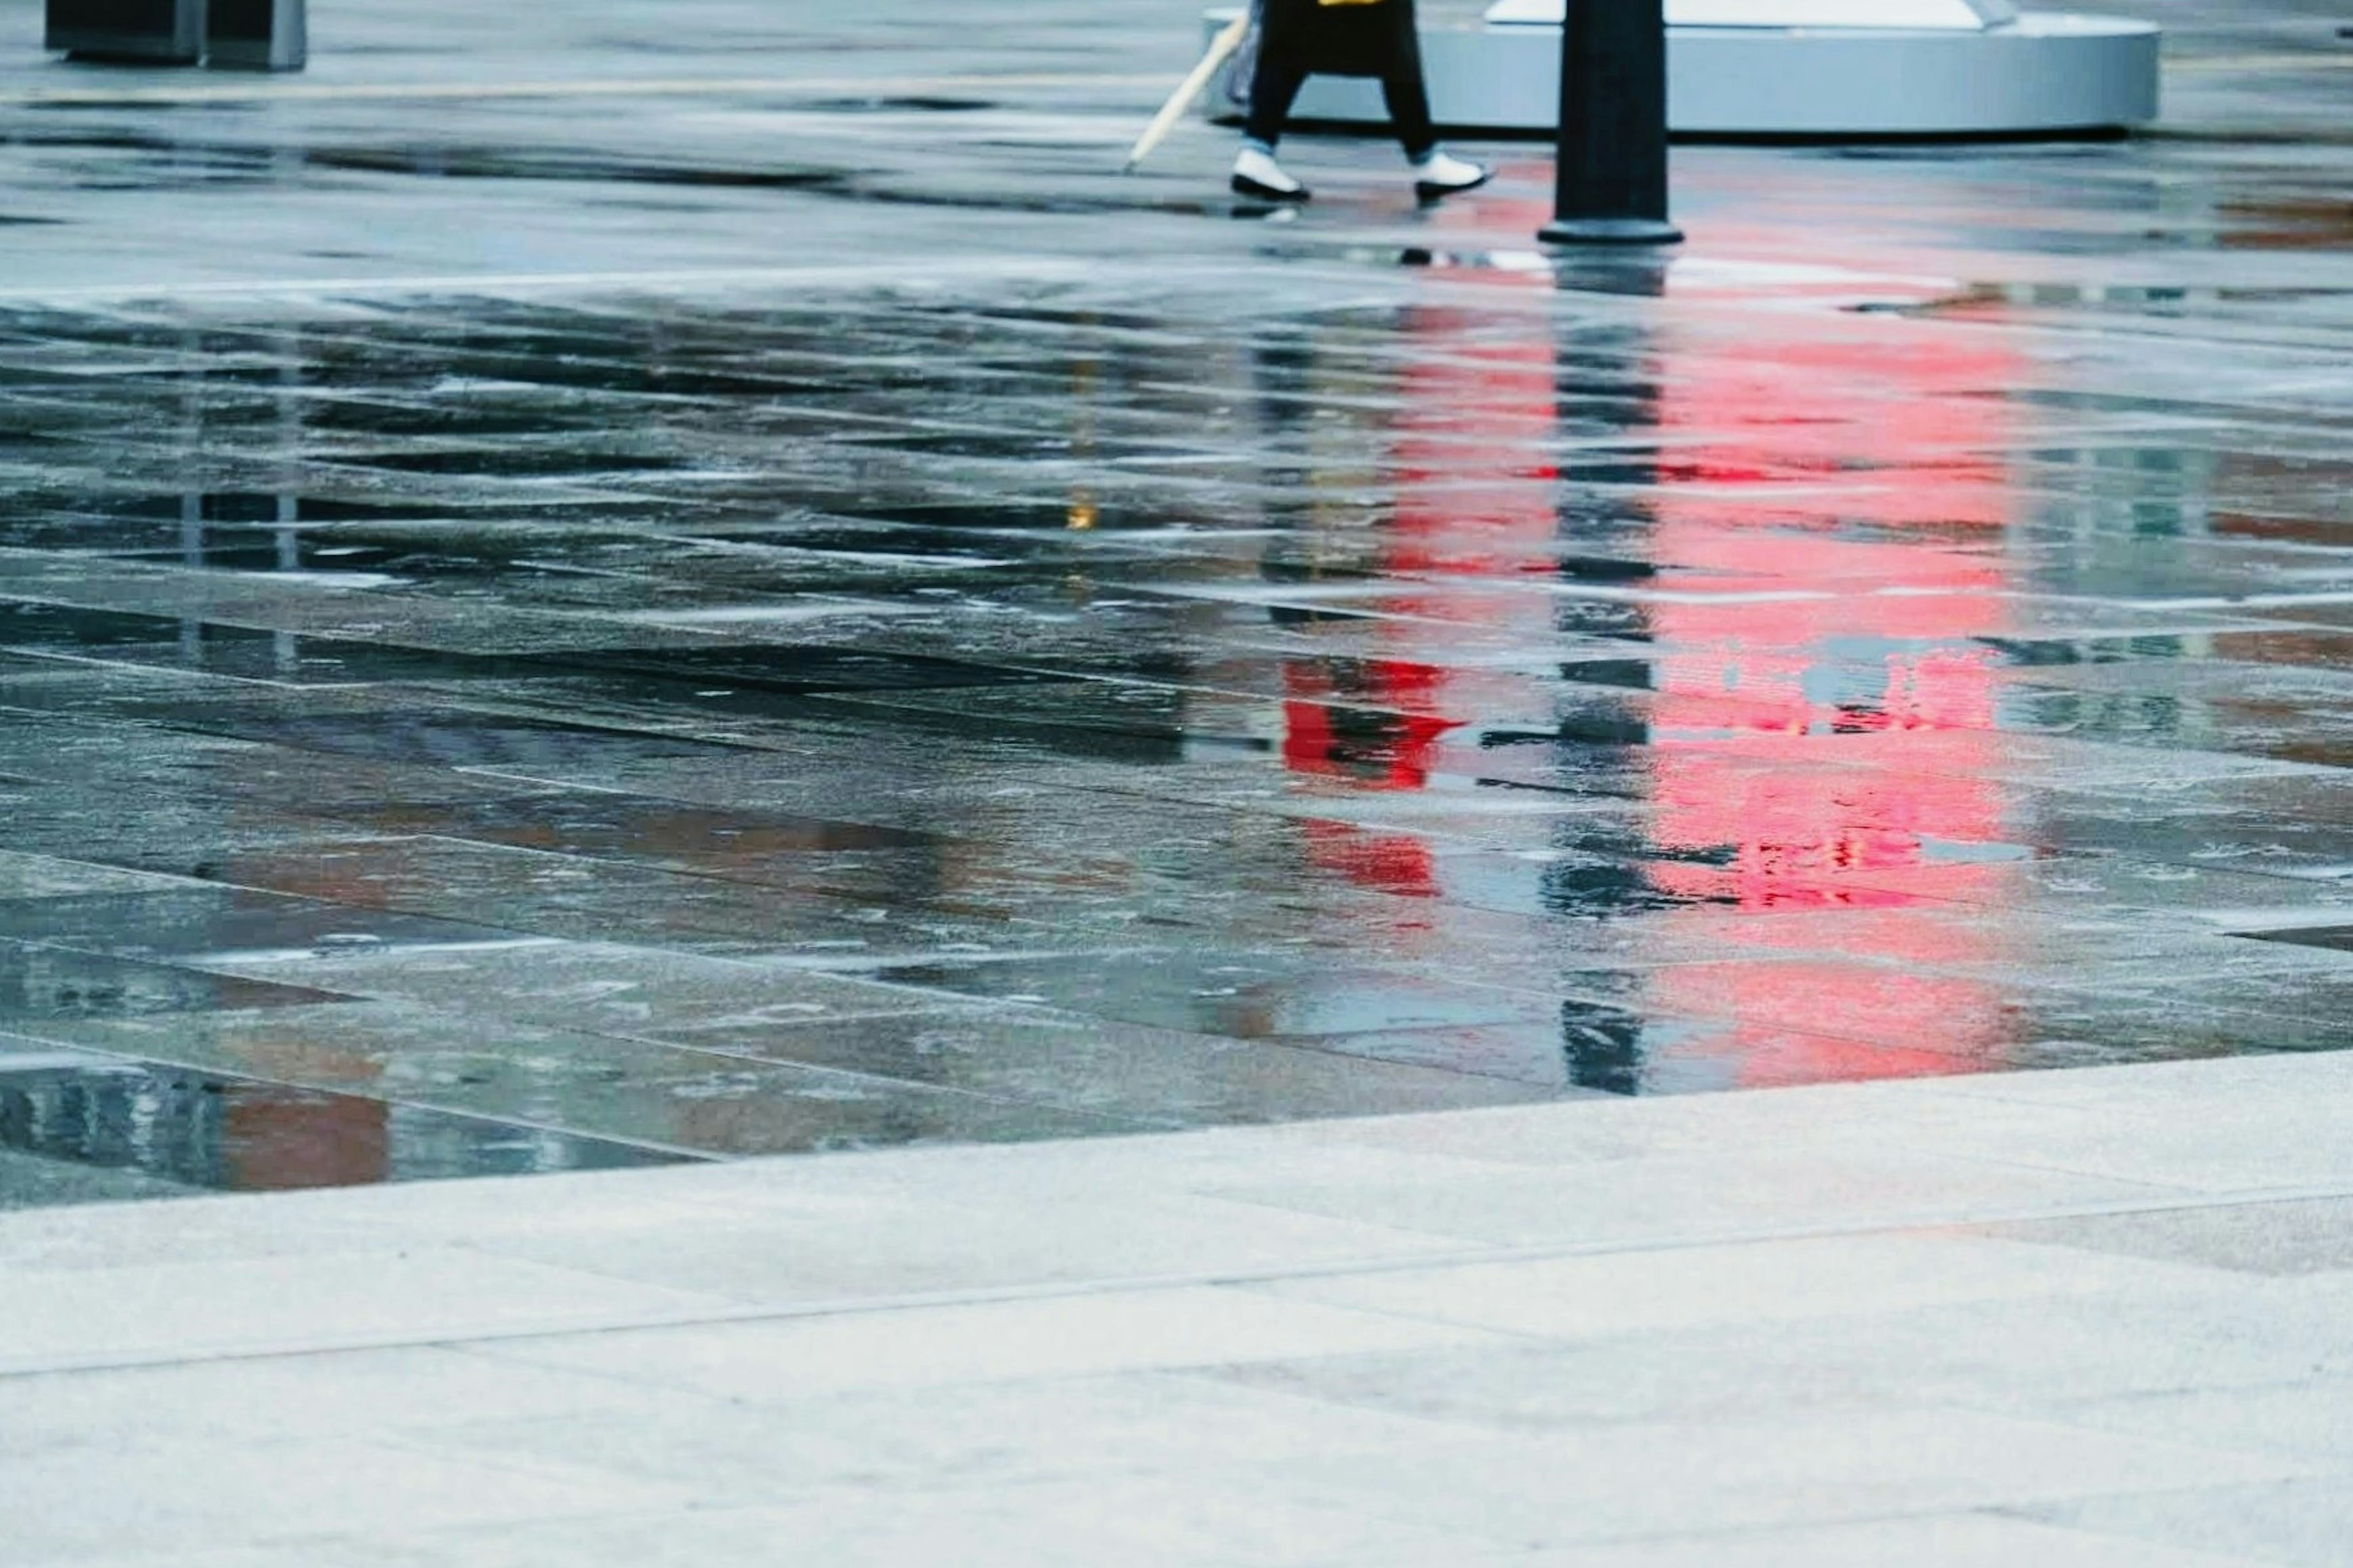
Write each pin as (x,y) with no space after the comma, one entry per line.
(1854,617)
(1828,505)
(285,1143)
(1473,410)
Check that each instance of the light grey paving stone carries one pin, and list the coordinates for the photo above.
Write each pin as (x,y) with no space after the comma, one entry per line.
(2306,1521)
(190,1498)
(2262,1082)
(911,1440)
(1913,1114)
(2235,1143)
(205,1229)
(910,1243)
(2019,1357)
(234,1557)
(1200,1163)
(1634,1480)
(2310,1418)
(1696,1196)
(343,1549)
(361,1395)
(2261,1123)
(1941,1540)
(190,1311)
(982,1343)
(1754,1285)
(1077,1524)
(2311,1236)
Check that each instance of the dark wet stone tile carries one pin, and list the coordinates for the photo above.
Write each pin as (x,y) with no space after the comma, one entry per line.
(190,838)
(1322,704)
(131,1128)
(818,669)
(288,658)
(41,985)
(32,1182)
(2112,1028)
(2336,939)
(444,737)
(653,832)
(2224,829)
(587,897)
(1241,995)
(2309,1007)
(26,624)
(214,925)
(49,876)
(1159,1076)
(602,1088)
(2205,888)
(644,993)
(1620,1054)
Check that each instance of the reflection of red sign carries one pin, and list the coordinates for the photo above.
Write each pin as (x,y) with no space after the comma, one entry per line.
(1829,501)
(1845,611)
(1471,411)
(1388,743)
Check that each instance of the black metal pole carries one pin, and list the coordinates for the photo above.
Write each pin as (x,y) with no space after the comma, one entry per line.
(1611,177)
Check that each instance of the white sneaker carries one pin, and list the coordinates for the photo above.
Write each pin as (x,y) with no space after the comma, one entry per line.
(1443,175)
(1256,174)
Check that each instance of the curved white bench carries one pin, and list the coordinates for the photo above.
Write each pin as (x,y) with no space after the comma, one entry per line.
(1798,68)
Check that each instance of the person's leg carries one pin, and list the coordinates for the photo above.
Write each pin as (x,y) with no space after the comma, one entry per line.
(1406,93)
(1408,96)
(1282,72)
(1272,92)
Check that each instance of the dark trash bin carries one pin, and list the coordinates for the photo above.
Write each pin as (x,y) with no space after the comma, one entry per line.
(256,35)
(154,32)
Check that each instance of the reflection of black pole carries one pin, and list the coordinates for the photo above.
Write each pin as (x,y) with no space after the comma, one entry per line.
(1613,170)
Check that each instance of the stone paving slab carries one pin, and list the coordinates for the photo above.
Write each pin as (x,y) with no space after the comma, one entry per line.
(1963,1344)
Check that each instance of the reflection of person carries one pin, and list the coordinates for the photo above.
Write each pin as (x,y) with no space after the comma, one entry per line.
(1300,38)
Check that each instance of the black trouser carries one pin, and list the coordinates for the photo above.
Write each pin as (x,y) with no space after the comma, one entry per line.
(1276,89)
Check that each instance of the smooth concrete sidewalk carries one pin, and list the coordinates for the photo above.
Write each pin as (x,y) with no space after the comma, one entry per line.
(2093,1317)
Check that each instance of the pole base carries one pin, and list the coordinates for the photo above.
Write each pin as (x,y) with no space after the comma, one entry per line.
(1568,231)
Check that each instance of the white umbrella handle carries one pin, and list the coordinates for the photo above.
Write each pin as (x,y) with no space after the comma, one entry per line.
(1188,91)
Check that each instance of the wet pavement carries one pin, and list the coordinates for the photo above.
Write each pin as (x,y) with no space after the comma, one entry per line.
(573,608)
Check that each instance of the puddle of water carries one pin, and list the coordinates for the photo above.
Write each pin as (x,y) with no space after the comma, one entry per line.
(199,1130)
(194,925)
(1386,669)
